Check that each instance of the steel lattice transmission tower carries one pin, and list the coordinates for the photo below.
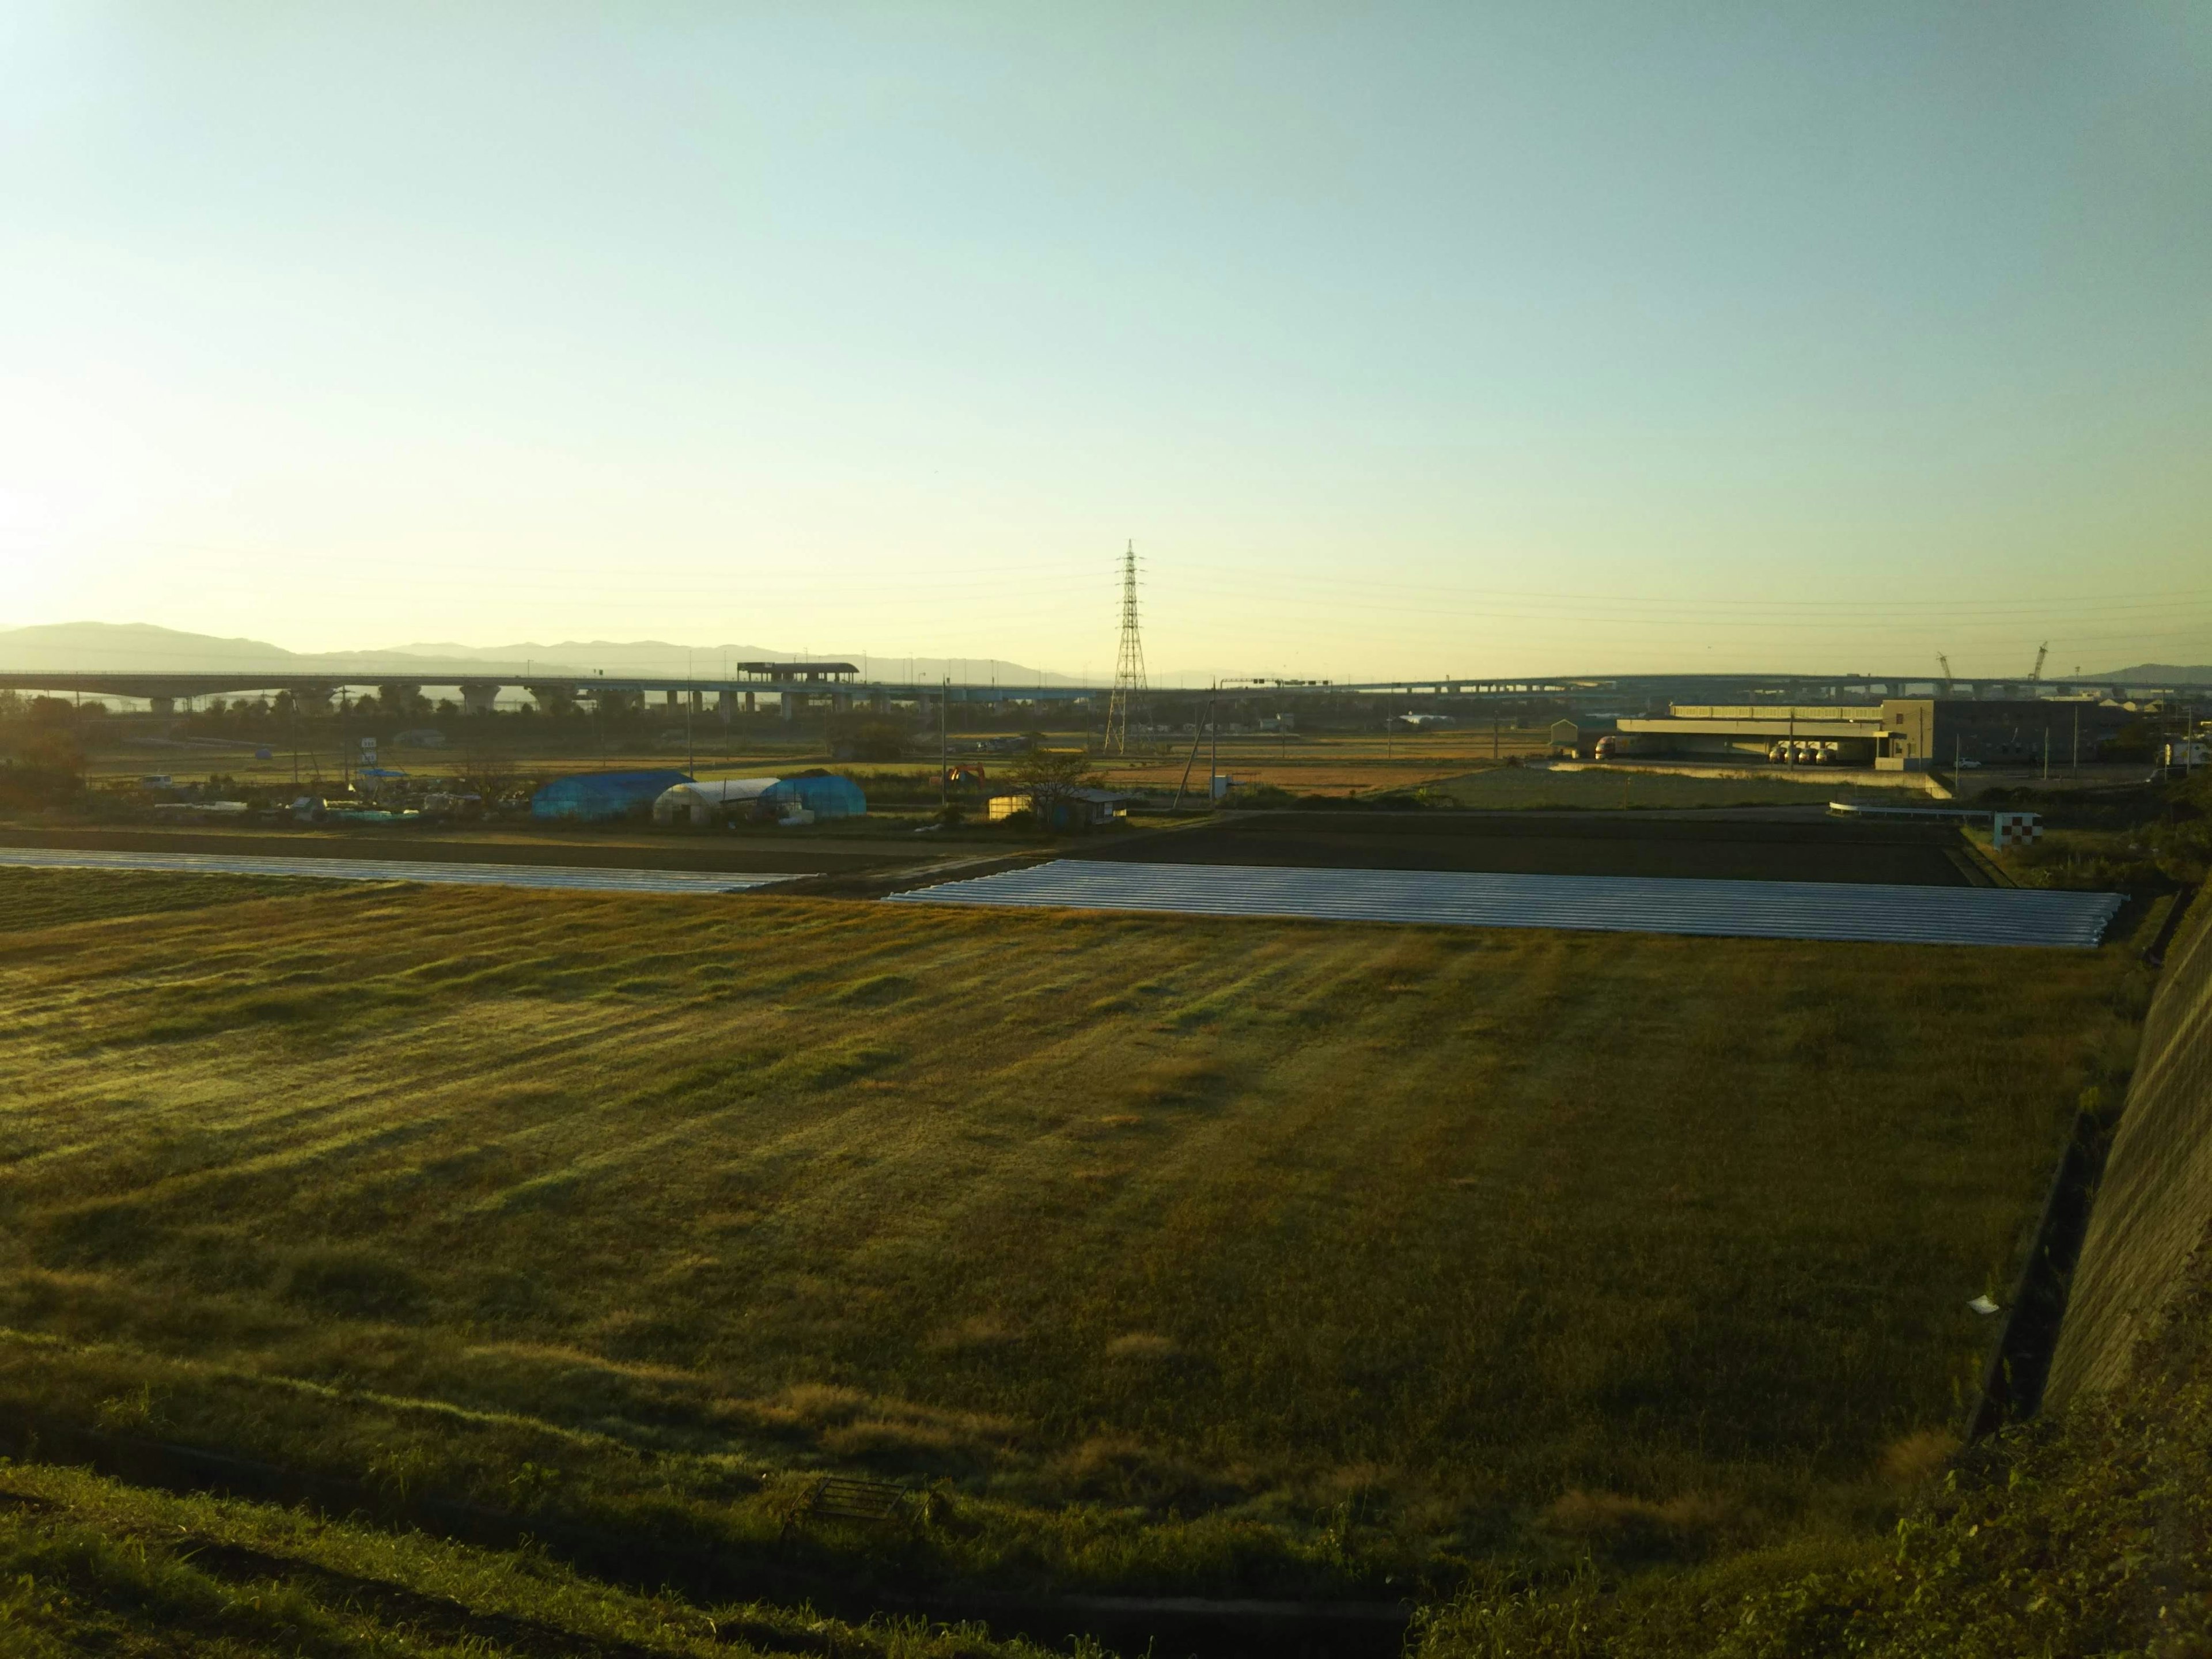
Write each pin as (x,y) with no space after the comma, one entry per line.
(1129,664)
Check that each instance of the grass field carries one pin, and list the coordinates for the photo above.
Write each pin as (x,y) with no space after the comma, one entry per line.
(1170,1255)
(2086,1531)
(88,1566)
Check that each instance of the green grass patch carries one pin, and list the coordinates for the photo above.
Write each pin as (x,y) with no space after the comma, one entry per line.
(88,1566)
(2089,1532)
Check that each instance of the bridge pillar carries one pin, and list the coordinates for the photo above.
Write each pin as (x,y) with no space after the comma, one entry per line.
(161,705)
(752,704)
(479,697)
(726,705)
(789,701)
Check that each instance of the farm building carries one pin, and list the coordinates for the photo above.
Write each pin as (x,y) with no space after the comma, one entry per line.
(1076,809)
(714,800)
(597,797)
(1579,736)
(709,800)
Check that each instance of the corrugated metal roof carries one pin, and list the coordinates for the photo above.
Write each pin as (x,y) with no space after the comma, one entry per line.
(467,875)
(1756,910)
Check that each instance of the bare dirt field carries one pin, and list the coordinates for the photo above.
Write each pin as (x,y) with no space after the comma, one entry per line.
(1710,846)
(1322,764)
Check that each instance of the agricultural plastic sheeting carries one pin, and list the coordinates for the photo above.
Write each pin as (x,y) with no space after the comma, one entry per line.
(422,870)
(1757,909)
(823,794)
(703,802)
(600,795)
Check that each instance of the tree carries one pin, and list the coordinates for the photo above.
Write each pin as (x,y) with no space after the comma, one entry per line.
(1050,776)
(868,736)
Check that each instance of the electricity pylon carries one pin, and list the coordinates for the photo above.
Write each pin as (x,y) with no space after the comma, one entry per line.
(1128,663)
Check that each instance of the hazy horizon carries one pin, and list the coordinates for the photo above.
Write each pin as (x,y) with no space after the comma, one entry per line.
(1423,340)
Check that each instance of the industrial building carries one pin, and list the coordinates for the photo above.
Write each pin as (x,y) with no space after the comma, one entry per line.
(1897,734)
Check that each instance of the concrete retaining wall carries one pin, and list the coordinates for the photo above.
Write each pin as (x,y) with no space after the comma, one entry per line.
(2154,1205)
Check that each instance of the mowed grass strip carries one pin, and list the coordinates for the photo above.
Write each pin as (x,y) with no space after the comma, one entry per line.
(89,1565)
(33,898)
(1304,1227)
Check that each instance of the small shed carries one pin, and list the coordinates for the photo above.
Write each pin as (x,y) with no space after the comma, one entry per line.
(599,797)
(1579,737)
(1076,810)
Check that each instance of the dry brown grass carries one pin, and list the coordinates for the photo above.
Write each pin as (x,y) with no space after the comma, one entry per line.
(1487,1218)
(1913,1460)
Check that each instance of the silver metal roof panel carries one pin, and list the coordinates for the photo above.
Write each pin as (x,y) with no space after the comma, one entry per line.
(1753,910)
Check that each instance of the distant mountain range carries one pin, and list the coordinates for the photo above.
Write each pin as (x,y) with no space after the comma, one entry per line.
(141,648)
(2157,673)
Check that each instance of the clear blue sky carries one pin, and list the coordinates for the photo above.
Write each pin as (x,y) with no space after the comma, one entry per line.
(1402,339)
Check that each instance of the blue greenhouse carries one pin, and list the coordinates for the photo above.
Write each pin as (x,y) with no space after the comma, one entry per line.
(597,797)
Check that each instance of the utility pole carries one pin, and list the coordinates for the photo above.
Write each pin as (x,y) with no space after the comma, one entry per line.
(1213,755)
(944,742)
(1128,662)
(1197,737)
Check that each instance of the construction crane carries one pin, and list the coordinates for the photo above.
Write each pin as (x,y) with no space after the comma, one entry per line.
(2041,652)
(1946,661)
